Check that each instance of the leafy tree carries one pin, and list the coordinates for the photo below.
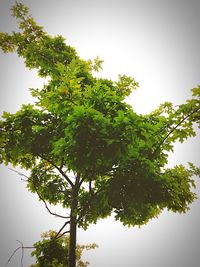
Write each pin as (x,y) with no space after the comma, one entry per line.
(53,252)
(85,147)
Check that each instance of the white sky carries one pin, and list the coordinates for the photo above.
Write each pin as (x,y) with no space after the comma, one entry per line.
(157,42)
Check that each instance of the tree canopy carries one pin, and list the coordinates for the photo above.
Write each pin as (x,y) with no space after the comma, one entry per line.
(85,147)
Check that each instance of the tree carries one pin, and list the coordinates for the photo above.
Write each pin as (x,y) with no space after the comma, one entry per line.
(85,147)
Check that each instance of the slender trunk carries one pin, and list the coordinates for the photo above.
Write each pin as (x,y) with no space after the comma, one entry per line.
(72,242)
(73,224)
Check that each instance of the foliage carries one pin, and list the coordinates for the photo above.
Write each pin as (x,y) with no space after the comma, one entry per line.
(81,126)
(53,252)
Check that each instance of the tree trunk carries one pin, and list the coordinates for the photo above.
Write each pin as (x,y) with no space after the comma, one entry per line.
(73,224)
(72,242)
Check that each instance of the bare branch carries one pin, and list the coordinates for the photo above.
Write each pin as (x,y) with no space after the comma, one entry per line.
(18,248)
(13,254)
(21,174)
(22,247)
(46,206)
(53,213)
(58,233)
(66,232)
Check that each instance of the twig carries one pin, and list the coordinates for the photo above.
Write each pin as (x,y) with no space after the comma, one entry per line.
(20,173)
(22,257)
(18,248)
(53,213)
(46,206)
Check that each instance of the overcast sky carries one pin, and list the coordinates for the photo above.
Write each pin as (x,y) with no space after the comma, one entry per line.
(157,42)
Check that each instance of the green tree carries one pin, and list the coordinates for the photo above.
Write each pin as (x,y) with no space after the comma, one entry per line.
(85,147)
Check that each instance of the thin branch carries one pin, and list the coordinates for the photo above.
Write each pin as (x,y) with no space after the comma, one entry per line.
(62,164)
(66,232)
(53,213)
(58,233)
(18,248)
(13,254)
(77,181)
(22,257)
(64,185)
(46,206)
(90,187)
(21,174)
(172,130)
(81,181)
(59,169)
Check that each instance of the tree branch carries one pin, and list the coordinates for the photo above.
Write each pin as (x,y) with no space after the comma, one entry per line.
(22,257)
(81,181)
(62,164)
(52,213)
(66,189)
(22,248)
(90,187)
(58,233)
(78,181)
(66,232)
(21,174)
(59,169)
(46,206)
(172,130)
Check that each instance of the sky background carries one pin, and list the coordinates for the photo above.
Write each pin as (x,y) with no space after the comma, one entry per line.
(157,42)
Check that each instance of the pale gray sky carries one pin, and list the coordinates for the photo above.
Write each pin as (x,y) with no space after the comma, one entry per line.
(155,41)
